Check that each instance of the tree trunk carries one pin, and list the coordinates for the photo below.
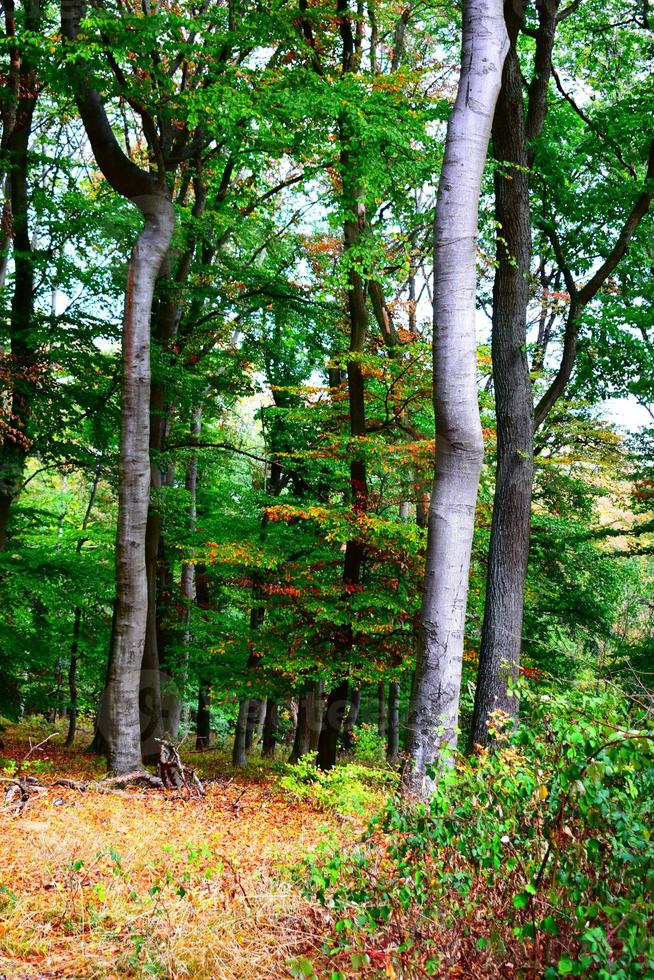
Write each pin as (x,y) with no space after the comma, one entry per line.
(269,730)
(509,540)
(393,740)
(77,622)
(124,728)
(514,132)
(17,128)
(332,721)
(72,679)
(239,757)
(172,698)
(301,740)
(203,723)
(256,715)
(433,712)
(314,713)
(381,710)
(351,720)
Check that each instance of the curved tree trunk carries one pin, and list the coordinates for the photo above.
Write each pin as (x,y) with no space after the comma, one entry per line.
(123,723)
(433,712)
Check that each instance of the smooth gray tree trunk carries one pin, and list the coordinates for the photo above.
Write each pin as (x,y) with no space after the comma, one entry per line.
(433,712)
(123,722)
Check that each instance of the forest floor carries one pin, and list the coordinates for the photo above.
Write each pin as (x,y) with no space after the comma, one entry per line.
(145,883)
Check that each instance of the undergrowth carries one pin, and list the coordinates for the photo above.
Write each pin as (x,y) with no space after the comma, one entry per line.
(531,859)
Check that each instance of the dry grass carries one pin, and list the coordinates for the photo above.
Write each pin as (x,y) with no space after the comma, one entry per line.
(146,884)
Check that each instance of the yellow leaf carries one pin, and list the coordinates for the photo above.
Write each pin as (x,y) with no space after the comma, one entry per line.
(542,792)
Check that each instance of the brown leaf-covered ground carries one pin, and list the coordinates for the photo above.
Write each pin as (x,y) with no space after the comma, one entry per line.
(145,883)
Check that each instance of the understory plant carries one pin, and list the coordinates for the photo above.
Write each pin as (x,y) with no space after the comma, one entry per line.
(532,858)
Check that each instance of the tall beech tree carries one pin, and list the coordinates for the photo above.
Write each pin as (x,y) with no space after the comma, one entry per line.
(517,126)
(433,711)
(150,193)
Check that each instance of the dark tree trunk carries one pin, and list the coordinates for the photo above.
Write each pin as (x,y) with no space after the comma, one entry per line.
(269,730)
(514,131)
(239,757)
(381,710)
(393,739)
(509,540)
(351,720)
(203,723)
(332,721)
(17,127)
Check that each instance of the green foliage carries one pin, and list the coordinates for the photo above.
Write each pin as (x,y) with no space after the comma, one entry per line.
(347,789)
(547,833)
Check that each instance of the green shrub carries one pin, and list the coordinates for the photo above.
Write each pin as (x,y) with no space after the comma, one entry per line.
(347,789)
(538,852)
(369,747)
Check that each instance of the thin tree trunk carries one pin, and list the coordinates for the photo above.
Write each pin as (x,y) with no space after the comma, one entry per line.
(381,710)
(314,713)
(393,740)
(72,667)
(433,712)
(172,697)
(203,722)
(269,730)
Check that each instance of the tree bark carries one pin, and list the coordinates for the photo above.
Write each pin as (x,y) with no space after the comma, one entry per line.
(501,638)
(314,713)
(393,738)
(239,758)
(433,713)
(351,719)
(124,729)
(381,710)
(269,730)
(332,721)
(203,722)
(17,128)
(301,740)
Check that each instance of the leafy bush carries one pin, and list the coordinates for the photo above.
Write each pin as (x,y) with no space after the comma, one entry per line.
(369,747)
(348,789)
(535,853)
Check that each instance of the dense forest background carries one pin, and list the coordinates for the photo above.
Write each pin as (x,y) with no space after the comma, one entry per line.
(220,421)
